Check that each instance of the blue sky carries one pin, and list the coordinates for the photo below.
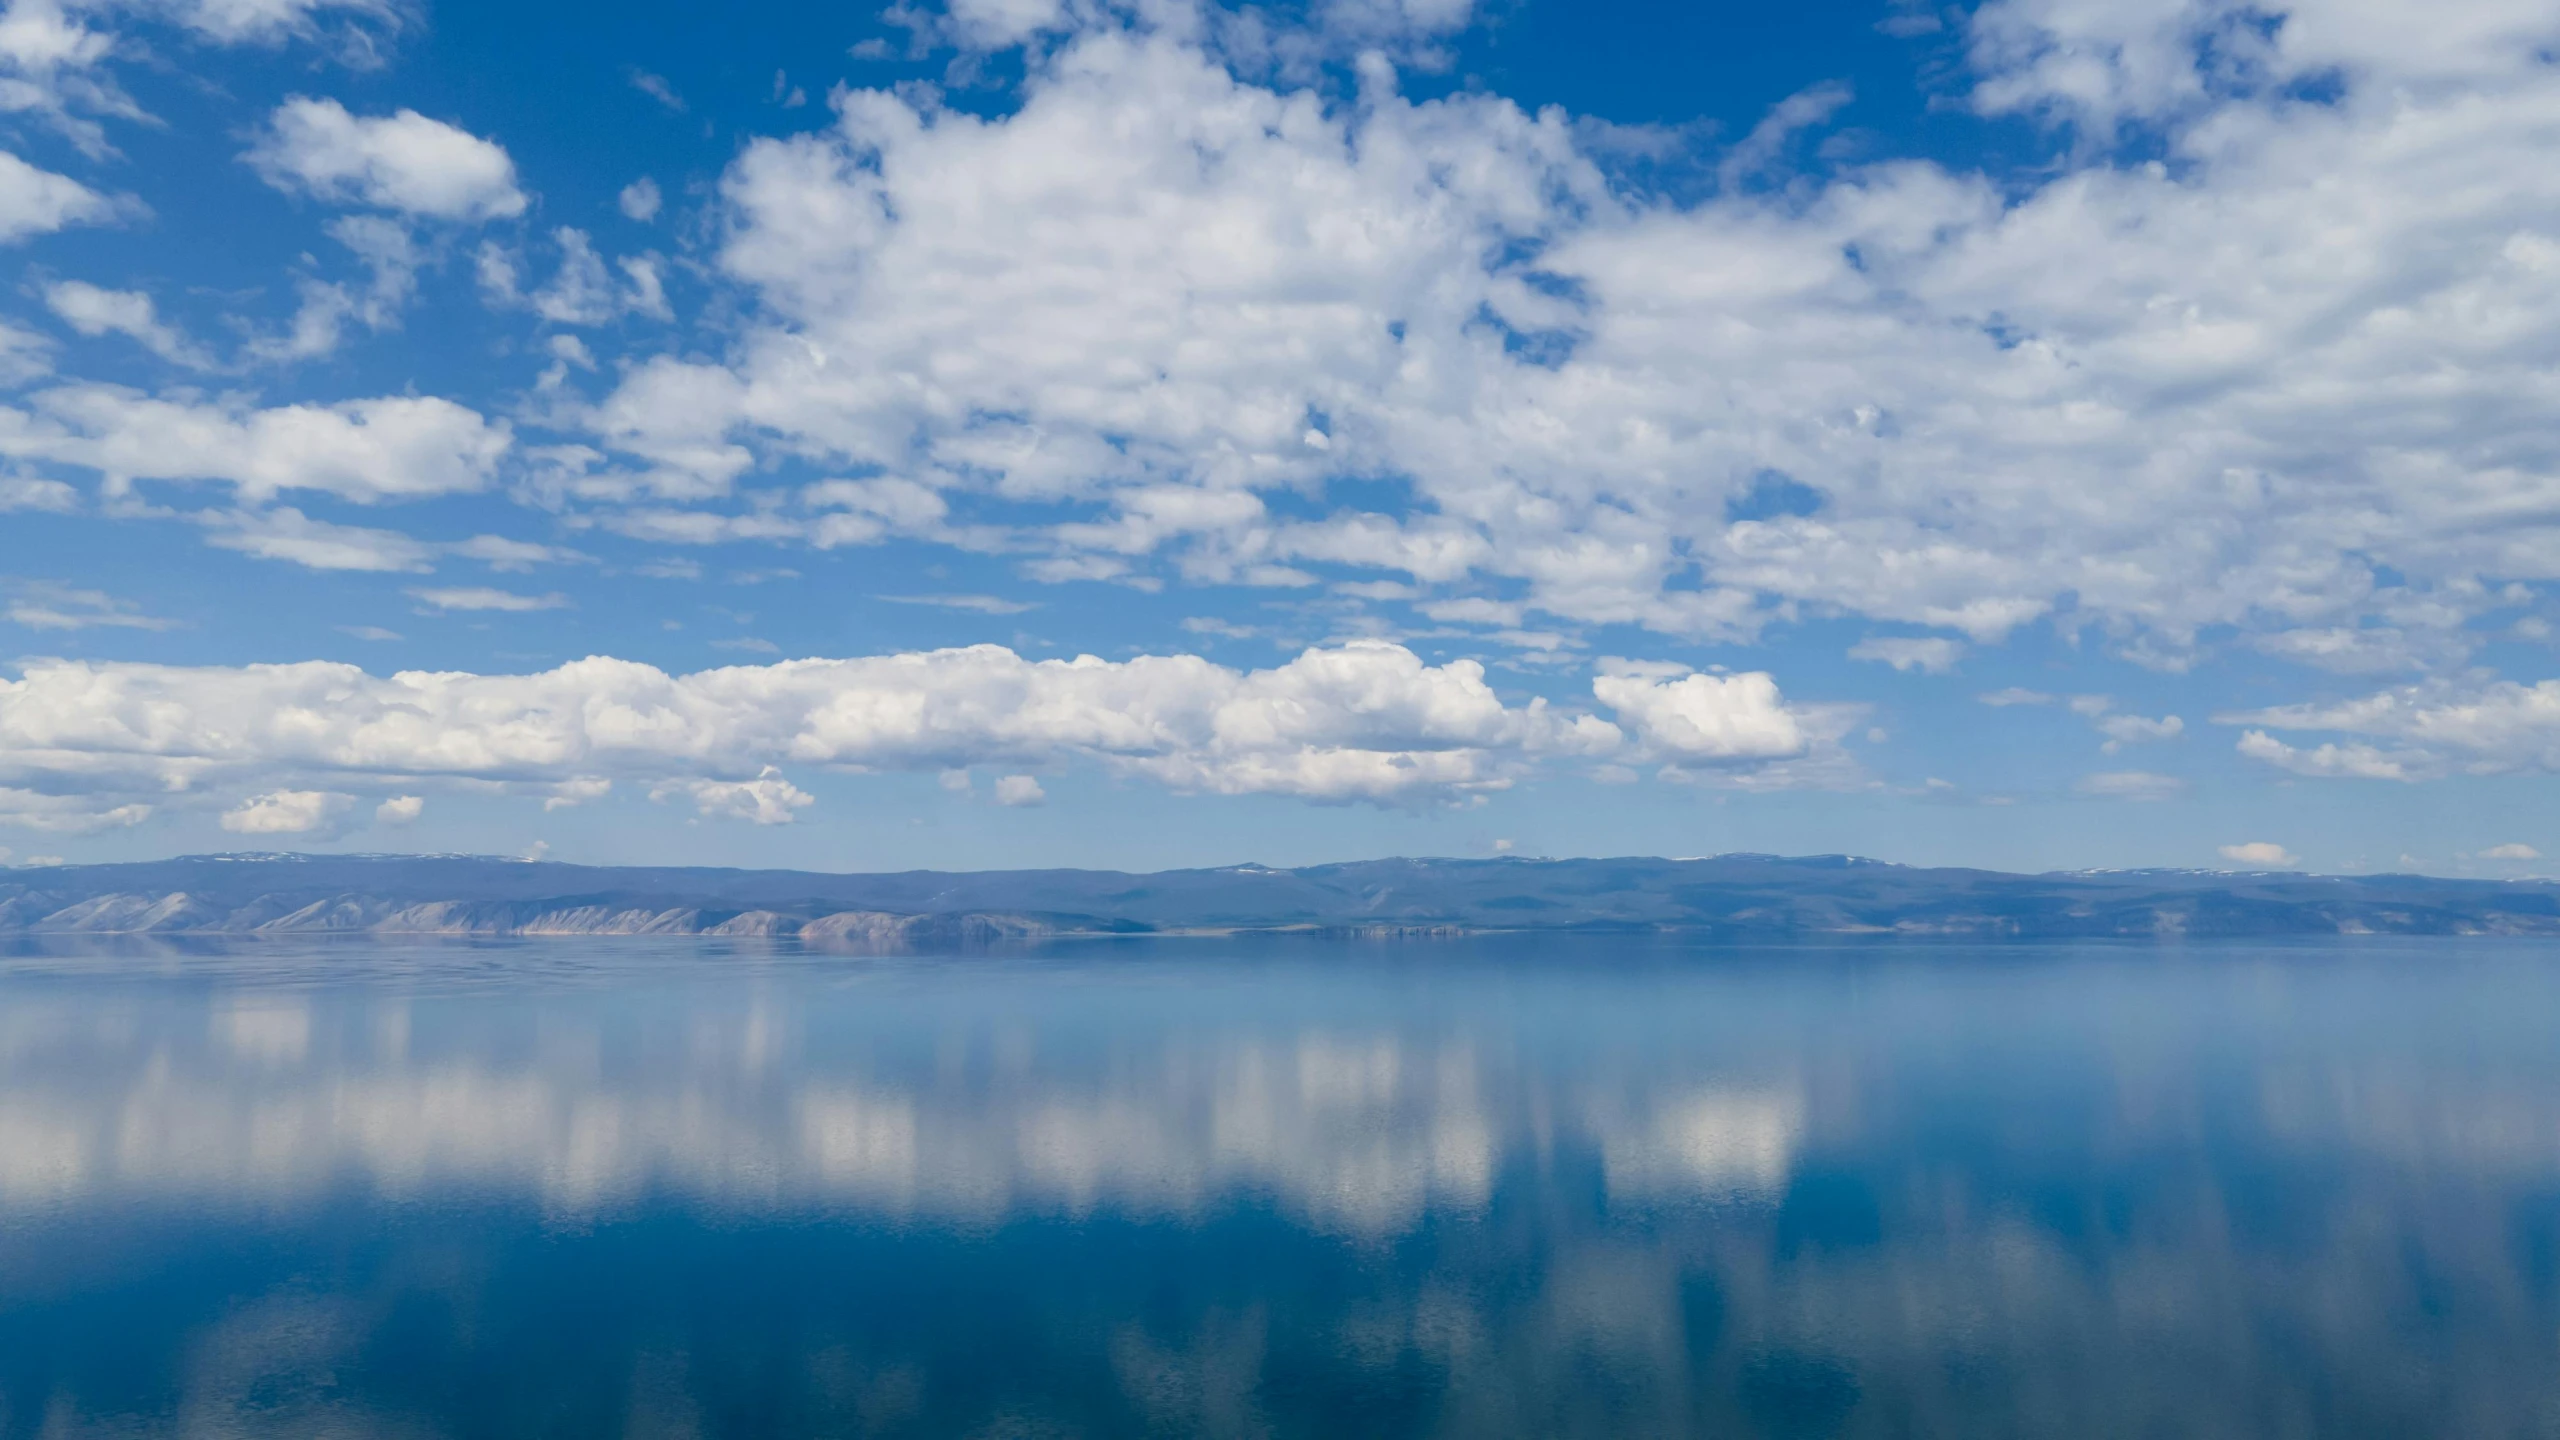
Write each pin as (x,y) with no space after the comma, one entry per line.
(1018,432)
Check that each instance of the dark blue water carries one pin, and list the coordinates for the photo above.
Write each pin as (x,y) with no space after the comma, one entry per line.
(1556,1189)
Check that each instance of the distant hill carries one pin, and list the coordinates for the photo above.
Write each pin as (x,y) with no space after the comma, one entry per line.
(1727,895)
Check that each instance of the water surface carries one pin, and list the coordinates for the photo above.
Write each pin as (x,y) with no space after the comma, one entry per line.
(1563,1187)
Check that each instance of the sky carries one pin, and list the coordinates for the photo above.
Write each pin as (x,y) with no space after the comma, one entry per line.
(991,433)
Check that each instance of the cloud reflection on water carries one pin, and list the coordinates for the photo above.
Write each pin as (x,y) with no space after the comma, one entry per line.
(2220,1193)
(1350,1133)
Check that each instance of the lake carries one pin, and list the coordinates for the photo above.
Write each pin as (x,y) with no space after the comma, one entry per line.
(1553,1187)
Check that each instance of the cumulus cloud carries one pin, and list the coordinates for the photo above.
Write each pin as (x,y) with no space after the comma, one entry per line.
(1364,721)
(2478,727)
(1687,717)
(287,534)
(1934,655)
(656,88)
(54,55)
(38,202)
(583,290)
(2123,730)
(46,605)
(236,21)
(640,200)
(2014,695)
(51,69)
(766,800)
(392,448)
(92,310)
(979,604)
(400,810)
(402,162)
(484,597)
(25,356)
(2262,853)
(67,814)
(391,258)
(2332,760)
(2289,380)
(1019,790)
(991,24)
(285,812)
(2510,852)
(25,492)
(2131,785)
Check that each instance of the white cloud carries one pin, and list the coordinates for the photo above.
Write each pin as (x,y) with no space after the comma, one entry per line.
(20,492)
(2330,761)
(979,604)
(484,597)
(2002,699)
(644,290)
(236,21)
(1364,721)
(51,68)
(391,257)
(2156,58)
(1789,117)
(501,553)
(640,200)
(766,800)
(2123,730)
(2478,727)
(404,162)
(285,533)
(399,810)
(25,356)
(2131,785)
(43,605)
(575,791)
(2262,854)
(865,511)
(703,527)
(1019,790)
(2366,650)
(2510,852)
(53,64)
(582,291)
(94,311)
(656,88)
(393,448)
(1001,24)
(1935,655)
(67,814)
(285,812)
(2284,382)
(38,202)
(675,416)
(1707,719)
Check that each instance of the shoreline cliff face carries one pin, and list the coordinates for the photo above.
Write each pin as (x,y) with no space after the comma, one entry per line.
(1733,895)
(179,913)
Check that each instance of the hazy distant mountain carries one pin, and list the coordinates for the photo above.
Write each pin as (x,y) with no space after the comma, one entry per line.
(1734,895)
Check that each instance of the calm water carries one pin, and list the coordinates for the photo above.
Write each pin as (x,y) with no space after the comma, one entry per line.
(1569,1188)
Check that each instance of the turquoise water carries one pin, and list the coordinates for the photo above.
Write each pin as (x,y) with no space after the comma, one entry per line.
(1589,1187)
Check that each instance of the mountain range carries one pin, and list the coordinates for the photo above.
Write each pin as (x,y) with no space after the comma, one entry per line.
(1738,896)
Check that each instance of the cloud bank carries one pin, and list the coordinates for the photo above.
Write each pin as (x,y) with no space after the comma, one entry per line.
(2290,377)
(1367,722)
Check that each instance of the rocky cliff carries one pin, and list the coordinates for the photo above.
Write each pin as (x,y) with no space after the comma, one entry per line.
(1730,895)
